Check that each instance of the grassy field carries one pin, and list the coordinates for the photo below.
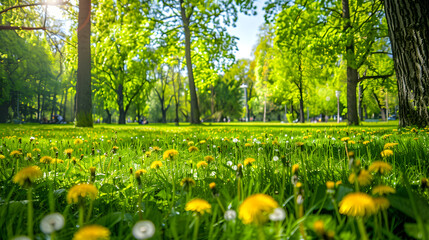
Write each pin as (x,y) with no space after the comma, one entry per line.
(217,181)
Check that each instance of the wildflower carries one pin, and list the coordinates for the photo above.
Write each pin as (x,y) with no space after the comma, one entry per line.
(46,159)
(345,139)
(212,185)
(69,152)
(187,182)
(80,191)
(143,229)
(202,164)
(390,145)
(230,215)
(193,149)
(191,143)
(115,149)
(365,142)
(364,178)
(2,156)
(247,144)
(249,161)
(382,190)
(15,153)
(170,154)
(156,165)
(37,150)
(295,168)
(279,214)
(256,208)
(357,204)
(209,159)
(27,176)
(319,227)
(92,232)
(199,206)
(51,223)
(380,167)
(275,158)
(386,153)
(78,141)
(330,184)
(148,153)
(351,142)
(156,149)
(29,156)
(57,160)
(381,203)
(140,172)
(299,144)
(202,141)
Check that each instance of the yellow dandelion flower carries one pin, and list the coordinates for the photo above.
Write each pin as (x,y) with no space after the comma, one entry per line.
(382,190)
(193,149)
(330,184)
(156,149)
(187,182)
(256,209)
(212,185)
(140,172)
(78,141)
(170,154)
(365,142)
(37,150)
(364,178)
(2,156)
(80,191)
(249,161)
(299,144)
(68,151)
(381,203)
(199,206)
(390,145)
(357,205)
(209,159)
(46,159)
(247,144)
(295,168)
(351,142)
(202,141)
(202,164)
(386,153)
(190,143)
(156,165)
(148,153)
(27,176)
(380,167)
(345,139)
(15,153)
(57,160)
(319,227)
(92,232)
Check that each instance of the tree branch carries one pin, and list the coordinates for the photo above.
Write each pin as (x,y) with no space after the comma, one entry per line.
(375,77)
(21,28)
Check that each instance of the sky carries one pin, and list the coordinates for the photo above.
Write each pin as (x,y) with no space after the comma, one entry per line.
(247,31)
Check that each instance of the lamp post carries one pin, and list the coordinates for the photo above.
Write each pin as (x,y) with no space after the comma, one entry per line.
(244,86)
(337,93)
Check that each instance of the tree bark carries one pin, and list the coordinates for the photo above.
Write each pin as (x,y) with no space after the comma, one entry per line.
(408,24)
(109,117)
(352,73)
(83,84)
(120,102)
(382,108)
(195,112)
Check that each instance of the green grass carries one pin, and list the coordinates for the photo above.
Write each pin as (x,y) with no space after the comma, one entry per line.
(160,198)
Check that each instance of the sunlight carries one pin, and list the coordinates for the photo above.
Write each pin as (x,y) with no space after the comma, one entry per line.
(55,12)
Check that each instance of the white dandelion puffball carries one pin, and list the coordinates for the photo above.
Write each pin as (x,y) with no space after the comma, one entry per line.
(143,229)
(52,223)
(275,158)
(279,214)
(230,215)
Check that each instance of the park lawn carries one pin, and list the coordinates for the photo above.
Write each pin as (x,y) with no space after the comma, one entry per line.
(305,169)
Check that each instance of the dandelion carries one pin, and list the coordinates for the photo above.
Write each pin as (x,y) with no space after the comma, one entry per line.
(92,232)
(390,145)
(202,141)
(330,184)
(80,191)
(27,176)
(256,208)
(187,183)
(345,139)
(364,178)
(36,150)
(140,172)
(193,149)
(191,143)
(357,205)
(319,227)
(68,152)
(156,165)
(2,157)
(295,168)
(380,167)
(365,142)
(57,160)
(386,153)
(248,145)
(52,223)
(143,229)
(115,149)
(249,161)
(209,159)
(46,159)
(78,141)
(279,214)
(156,149)
(381,203)
(202,164)
(199,206)
(383,190)
(212,185)
(15,153)
(170,154)
(230,215)
(275,158)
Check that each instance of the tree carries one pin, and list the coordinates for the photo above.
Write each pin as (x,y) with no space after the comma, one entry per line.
(408,23)
(83,84)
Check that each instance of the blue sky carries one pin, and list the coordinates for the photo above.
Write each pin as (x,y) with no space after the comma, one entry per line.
(247,31)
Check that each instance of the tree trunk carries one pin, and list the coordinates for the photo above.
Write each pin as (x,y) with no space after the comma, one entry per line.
(352,73)
(360,101)
(382,108)
(408,24)
(120,102)
(366,112)
(195,112)
(83,84)
(301,107)
(65,106)
(109,117)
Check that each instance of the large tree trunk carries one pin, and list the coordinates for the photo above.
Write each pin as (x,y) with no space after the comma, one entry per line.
(83,84)
(352,73)
(109,117)
(195,112)
(120,102)
(408,23)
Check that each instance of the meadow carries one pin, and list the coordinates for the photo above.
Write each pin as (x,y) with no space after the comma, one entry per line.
(220,181)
